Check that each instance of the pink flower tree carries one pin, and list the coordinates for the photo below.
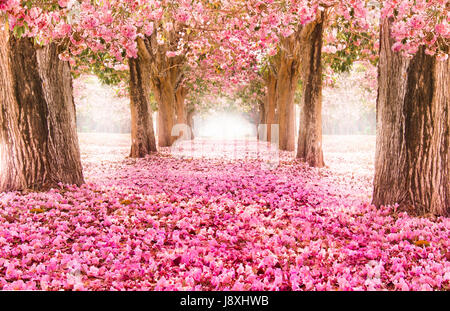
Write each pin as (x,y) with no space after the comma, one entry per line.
(412,164)
(38,139)
(293,34)
(164,47)
(160,41)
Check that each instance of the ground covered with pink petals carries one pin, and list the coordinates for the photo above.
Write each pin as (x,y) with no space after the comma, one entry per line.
(217,216)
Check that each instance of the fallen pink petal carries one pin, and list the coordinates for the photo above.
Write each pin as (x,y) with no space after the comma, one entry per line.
(204,147)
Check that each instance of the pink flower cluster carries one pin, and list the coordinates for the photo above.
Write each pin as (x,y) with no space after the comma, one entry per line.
(164,223)
(6,5)
(222,42)
(418,23)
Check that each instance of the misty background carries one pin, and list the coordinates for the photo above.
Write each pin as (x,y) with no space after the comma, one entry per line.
(101,110)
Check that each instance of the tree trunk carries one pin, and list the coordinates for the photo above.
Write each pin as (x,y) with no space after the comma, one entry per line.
(190,121)
(38,138)
(261,120)
(287,80)
(180,110)
(142,133)
(412,163)
(165,95)
(310,132)
(165,75)
(271,101)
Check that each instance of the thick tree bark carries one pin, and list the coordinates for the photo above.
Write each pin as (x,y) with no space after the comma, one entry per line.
(166,75)
(412,164)
(287,79)
(165,95)
(310,132)
(180,109)
(142,132)
(38,138)
(286,68)
(270,106)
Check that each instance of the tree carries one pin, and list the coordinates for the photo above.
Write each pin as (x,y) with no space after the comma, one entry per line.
(412,164)
(165,79)
(287,75)
(291,33)
(142,132)
(270,110)
(175,36)
(38,139)
(132,79)
(310,132)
